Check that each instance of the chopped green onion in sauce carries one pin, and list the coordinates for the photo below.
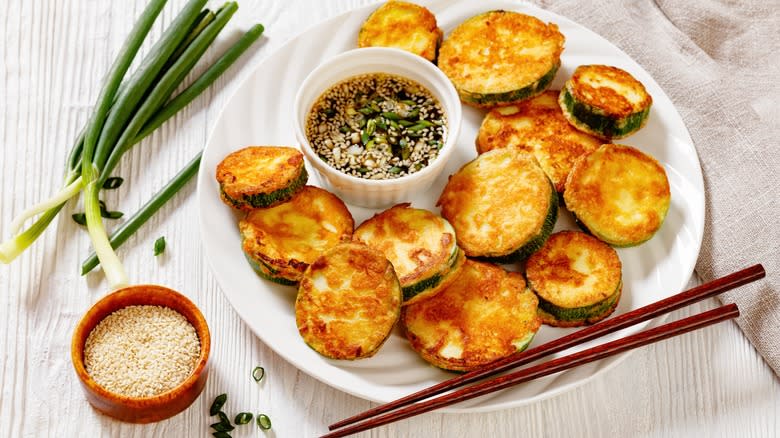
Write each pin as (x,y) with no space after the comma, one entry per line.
(377,126)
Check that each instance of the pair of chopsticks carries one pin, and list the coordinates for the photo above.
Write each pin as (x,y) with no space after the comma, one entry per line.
(412,405)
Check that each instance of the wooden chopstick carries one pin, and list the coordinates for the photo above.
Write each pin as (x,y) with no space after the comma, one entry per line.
(682,299)
(554,366)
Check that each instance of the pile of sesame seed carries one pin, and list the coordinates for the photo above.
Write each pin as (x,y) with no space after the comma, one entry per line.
(377,126)
(141,351)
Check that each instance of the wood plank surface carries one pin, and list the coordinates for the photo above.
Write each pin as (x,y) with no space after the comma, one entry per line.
(53,55)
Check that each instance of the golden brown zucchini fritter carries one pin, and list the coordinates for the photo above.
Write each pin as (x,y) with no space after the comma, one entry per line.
(260,176)
(487,313)
(348,301)
(402,25)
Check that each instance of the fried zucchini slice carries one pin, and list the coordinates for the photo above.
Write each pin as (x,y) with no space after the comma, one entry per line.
(501,204)
(537,126)
(420,245)
(487,313)
(282,241)
(605,101)
(577,278)
(348,301)
(501,57)
(402,25)
(619,194)
(260,176)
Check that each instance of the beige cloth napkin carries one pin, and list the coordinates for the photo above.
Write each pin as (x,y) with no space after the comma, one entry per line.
(718,62)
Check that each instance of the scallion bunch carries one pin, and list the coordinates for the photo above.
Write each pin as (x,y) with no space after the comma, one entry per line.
(129,108)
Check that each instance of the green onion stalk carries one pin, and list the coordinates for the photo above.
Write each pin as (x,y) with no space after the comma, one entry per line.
(127,111)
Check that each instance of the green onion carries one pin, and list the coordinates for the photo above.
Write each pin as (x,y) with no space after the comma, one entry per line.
(223,418)
(204,18)
(204,81)
(121,234)
(113,183)
(108,214)
(258,373)
(97,150)
(222,427)
(389,115)
(263,421)
(371,126)
(243,418)
(217,404)
(80,218)
(422,124)
(159,246)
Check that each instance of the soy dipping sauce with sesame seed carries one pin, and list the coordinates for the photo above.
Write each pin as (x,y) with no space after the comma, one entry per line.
(377,126)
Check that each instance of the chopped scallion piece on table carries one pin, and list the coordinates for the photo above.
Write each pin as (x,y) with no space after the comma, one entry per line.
(113,183)
(217,404)
(243,418)
(159,246)
(258,373)
(263,421)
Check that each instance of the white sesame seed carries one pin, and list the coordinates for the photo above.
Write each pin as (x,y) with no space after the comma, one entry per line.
(141,351)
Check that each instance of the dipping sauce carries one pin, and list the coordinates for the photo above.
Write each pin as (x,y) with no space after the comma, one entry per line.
(141,351)
(377,126)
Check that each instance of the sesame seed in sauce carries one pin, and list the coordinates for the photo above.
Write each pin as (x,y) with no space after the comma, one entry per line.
(377,126)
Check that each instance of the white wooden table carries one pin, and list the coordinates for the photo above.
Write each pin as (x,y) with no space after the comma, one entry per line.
(53,55)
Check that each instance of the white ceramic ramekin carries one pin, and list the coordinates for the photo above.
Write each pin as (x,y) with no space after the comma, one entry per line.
(365,192)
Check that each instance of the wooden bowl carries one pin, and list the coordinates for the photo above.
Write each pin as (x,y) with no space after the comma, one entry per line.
(142,409)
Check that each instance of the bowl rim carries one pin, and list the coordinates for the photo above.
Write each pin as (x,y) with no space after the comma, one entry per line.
(107,305)
(453,120)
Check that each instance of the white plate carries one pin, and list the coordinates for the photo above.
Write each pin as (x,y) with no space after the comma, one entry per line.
(260,113)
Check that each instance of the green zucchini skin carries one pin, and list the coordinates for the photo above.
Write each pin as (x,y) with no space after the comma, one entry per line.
(427,284)
(527,92)
(264,200)
(604,238)
(592,119)
(267,272)
(536,242)
(579,315)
